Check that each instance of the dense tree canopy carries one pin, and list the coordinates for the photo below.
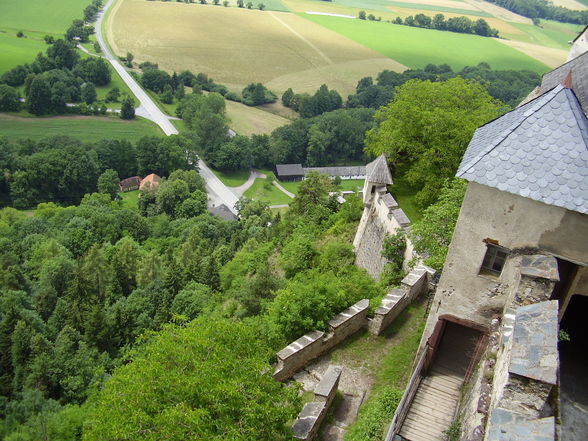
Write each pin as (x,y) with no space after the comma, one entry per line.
(427,127)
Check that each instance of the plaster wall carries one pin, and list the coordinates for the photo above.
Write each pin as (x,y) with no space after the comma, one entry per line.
(516,223)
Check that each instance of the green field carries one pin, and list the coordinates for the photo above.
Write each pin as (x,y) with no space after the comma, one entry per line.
(130,199)
(36,19)
(232,179)
(86,128)
(384,6)
(416,47)
(270,194)
(549,33)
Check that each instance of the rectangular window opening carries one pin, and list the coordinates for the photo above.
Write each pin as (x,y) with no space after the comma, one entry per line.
(494,260)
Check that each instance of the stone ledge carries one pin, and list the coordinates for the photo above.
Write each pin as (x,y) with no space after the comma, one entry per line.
(400,216)
(349,314)
(301,343)
(539,266)
(534,349)
(327,387)
(309,420)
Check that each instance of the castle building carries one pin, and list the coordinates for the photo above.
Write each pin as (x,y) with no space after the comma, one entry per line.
(504,351)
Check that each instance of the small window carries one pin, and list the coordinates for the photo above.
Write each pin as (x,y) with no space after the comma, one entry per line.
(493,260)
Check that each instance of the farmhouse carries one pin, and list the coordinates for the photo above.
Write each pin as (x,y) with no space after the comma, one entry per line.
(150,182)
(129,184)
(516,272)
(295,172)
(289,172)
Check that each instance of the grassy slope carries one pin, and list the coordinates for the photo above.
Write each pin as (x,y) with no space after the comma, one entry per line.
(86,128)
(416,47)
(130,199)
(36,19)
(232,179)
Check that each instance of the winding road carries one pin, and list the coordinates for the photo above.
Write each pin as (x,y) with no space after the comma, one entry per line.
(218,193)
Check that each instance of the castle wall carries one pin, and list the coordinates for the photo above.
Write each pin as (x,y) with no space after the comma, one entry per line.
(516,223)
(381,217)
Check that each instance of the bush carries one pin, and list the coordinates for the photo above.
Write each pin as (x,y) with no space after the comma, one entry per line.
(375,416)
(20,34)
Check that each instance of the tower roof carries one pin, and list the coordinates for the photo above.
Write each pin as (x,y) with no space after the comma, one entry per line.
(538,151)
(378,172)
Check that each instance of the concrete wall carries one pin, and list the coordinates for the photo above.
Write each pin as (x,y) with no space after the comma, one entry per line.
(517,223)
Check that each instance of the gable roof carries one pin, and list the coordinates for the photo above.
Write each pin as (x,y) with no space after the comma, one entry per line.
(378,172)
(578,67)
(151,180)
(538,151)
(289,170)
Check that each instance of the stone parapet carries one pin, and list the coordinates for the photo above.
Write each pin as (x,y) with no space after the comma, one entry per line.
(392,305)
(312,345)
(310,418)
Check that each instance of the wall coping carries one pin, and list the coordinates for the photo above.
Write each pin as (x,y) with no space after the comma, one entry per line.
(349,313)
(302,342)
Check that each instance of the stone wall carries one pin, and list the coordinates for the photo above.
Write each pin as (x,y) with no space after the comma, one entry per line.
(381,217)
(515,379)
(413,285)
(309,420)
(312,345)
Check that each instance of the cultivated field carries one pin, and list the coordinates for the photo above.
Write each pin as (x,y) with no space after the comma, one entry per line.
(417,47)
(247,120)
(36,19)
(86,128)
(238,46)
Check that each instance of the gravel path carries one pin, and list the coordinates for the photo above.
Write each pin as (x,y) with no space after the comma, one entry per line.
(241,189)
(283,190)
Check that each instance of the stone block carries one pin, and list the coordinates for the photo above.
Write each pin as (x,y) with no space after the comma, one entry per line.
(400,216)
(308,422)
(506,425)
(392,305)
(346,323)
(417,281)
(539,266)
(535,336)
(295,356)
(327,387)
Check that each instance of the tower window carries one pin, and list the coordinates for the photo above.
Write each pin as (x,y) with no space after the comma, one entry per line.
(493,260)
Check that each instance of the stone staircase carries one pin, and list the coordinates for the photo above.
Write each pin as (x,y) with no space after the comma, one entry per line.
(433,406)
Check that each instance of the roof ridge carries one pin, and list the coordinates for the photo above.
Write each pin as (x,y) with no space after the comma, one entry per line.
(527,110)
(578,113)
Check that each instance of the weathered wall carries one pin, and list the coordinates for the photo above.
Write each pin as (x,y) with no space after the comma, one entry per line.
(516,223)
(312,345)
(381,217)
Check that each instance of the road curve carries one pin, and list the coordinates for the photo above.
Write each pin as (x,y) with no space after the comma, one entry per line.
(218,192)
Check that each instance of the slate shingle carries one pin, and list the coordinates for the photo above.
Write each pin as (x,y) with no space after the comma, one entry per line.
(538,151)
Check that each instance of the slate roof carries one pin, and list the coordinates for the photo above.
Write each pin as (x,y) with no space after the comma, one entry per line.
(289,170)
(538,151)
(378,172)
(579,69)
(223,211)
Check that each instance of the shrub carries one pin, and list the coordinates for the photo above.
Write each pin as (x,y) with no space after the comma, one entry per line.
(374,417)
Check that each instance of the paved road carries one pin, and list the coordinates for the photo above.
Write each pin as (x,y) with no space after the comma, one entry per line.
(218,192)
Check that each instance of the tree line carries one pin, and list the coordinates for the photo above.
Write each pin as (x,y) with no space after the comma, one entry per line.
(60,81)
(63,169)
(537,9)
(462,25)
(173,87)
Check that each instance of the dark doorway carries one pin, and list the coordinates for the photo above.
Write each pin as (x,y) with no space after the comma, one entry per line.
(574,370)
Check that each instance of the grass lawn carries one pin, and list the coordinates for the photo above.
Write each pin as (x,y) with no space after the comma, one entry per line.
(85,128)
(404,195)
(36,19)
(246,120)
(130,199)
(232,179)
(270,194)
(417,47)
(346,185)
(388,360)
(549,33)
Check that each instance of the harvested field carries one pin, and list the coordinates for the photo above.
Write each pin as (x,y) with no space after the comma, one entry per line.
(239,46)
(552,57)
(498,12)
(247,120)
(570,4)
